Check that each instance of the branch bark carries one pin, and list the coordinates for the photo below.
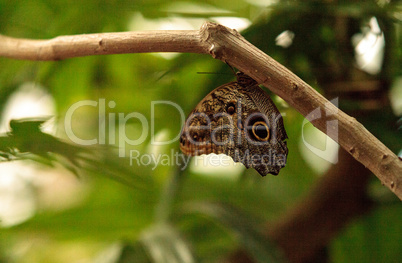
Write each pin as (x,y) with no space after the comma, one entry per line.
(62,47)
(229,46)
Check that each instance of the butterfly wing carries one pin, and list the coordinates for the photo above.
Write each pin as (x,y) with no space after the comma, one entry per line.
(208,129)
(263,146)
(240,121)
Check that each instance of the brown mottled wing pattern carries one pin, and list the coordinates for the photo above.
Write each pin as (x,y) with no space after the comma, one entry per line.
(240,120)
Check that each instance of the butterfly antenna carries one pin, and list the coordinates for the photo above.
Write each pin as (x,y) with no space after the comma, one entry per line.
(205,72)
(232,68)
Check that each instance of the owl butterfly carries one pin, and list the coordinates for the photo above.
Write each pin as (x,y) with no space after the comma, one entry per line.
(240,120)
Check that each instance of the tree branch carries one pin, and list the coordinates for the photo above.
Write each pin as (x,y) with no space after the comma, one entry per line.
(338,197)
(62,47)
(229,46)
(306,230)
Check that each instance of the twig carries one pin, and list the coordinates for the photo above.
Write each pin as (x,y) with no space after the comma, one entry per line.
(62,47)
(229,46)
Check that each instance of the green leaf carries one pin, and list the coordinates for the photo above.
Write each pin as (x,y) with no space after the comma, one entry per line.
(133,253)
(165,245)
(27,141)
(243,226)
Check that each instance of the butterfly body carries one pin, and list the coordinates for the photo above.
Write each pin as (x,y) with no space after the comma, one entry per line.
(240,120)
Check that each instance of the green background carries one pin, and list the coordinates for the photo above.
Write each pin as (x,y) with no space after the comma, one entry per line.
(111,211)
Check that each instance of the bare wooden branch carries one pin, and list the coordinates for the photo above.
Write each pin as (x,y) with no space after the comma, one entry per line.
(62,47)
(229,46)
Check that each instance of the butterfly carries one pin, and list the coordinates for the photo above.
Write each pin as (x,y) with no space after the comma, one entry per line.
(240,120)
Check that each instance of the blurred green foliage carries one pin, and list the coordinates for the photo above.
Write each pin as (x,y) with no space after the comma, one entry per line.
(132,213)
